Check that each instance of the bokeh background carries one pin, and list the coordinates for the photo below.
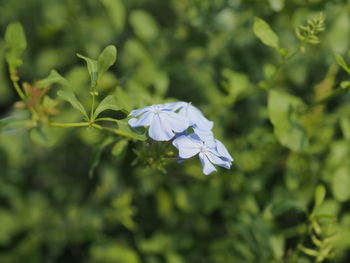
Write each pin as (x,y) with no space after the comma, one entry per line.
(201,51)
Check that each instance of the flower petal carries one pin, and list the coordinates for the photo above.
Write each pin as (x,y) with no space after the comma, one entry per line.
(177,122)
(217,160)
(205,135)
(173,106)
(208,167)
(221,149)
(159,129)
(144,120)
(196,117)
(139,111)
(187,146)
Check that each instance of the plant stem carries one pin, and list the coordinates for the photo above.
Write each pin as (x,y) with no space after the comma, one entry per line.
(72,124)
(92,106)
(105,119)
(13,78)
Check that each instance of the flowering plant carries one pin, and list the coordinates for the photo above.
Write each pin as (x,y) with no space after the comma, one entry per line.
(174,121)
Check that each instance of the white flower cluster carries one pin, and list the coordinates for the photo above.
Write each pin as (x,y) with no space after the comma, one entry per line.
(170,121)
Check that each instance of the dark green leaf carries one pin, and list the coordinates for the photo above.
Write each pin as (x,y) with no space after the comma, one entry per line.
(96,158)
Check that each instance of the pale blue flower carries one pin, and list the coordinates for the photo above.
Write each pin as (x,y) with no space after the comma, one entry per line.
(196,117)
(191,145)
(162,120)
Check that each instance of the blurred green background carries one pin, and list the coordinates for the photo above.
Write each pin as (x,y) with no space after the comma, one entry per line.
(202,51)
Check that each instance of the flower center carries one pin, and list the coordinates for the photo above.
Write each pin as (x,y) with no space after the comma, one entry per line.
(202,149)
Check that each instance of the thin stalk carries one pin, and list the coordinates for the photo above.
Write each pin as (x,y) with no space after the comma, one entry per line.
(66,125)
(17,87)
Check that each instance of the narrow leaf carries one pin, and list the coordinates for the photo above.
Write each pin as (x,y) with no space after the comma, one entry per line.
(320,194)
(264,32)
(72,99)
(52,78)
(341,62)
(108,103)
(92,69)
(106,59)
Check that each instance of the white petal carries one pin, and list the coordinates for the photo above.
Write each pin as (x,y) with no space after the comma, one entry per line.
(217,160)
(208,167)
(187,147)
(160,130)
(206,136)
(174,105)
(223,151)
(139,111)
(196,117)
(177,122)
(144,120)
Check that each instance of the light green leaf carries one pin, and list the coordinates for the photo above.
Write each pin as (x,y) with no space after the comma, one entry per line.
(92,66)
(320,194)
(16,43)
(12,123)
(144,25)
(72,99)
(108,103)
(119,147)
(106,59)
(264,32)
(53,77)
(127,131)
(282,109)
(341,62)
(116,12)
(340,183)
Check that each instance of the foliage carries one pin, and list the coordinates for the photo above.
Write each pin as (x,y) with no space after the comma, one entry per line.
(78,184)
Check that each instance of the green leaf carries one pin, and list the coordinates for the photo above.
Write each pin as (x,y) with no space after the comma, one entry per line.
(106,59)
(16,43)
(108,103)
(340,183)
(116,12)
(92,66)
(264,32)
(341,62)
(320,195)
(285,206)
(96,158)
(144,25)
(119,147)
(12,124)
(52,78)
(282,109)
(125,130)
(72,99)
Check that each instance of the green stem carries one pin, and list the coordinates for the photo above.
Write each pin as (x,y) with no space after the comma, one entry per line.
(13,78)
(92,106)
(66,125)
(325,99)
(105,119)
